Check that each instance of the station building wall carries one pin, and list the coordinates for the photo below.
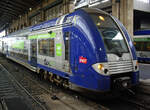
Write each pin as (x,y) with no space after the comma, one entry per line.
(47,10)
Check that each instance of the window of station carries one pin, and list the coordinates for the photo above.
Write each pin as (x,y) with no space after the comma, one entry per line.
(35,20)
(46,47)
(54,12)
(67,45)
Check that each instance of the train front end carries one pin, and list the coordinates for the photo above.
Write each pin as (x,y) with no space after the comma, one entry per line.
(114,65)
(121,66)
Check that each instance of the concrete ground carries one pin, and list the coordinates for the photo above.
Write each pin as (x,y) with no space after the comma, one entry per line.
(145,78)
(144,71)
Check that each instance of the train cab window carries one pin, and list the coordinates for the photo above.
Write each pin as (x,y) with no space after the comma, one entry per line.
(112,36)
(67,45)
(46,47)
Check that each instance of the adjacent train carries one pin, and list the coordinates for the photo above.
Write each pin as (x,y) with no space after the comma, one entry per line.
(88,48)
(142,45)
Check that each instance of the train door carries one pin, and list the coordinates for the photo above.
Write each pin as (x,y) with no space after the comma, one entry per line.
(33,52)
(62,45)
(67,51)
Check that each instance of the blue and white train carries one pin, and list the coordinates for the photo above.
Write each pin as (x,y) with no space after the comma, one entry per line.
(88,48)
(142,45)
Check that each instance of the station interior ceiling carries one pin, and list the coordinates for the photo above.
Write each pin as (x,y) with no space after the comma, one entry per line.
(12,9)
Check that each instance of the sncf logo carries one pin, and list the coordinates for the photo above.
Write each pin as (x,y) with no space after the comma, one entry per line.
(82,60)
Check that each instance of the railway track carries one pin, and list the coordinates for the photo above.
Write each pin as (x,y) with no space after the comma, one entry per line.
(11,89)
(38,88)
(6,88)
(140,100)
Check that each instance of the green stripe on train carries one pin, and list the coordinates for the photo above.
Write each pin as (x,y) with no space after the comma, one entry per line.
(43,36)
(58,49)
(18,45)
(33,37)
(141,39)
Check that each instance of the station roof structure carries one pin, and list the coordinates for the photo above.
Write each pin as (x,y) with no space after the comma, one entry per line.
(12,9)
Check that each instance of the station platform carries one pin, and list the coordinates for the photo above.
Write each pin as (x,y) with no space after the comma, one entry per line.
(144,86)
(144,78)
(144,71)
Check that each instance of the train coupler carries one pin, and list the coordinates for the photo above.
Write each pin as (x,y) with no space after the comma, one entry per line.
(122,83)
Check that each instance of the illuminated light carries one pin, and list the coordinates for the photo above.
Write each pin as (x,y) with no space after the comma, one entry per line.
(134,43)
(100,66)
(148,48)
(101,18)
(30,9)
(98,24)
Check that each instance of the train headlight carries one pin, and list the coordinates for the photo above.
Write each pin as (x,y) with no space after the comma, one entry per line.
(135,65)
(101,68)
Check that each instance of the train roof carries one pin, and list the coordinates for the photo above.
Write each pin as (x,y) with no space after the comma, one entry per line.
(67,19)
(46,24)
(142,32)
(20,32)
(56,21)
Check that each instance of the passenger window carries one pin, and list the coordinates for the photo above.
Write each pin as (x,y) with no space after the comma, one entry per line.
(137,46)
(46,47)
(148,46)
(43,47)
(142,46)
(67,45)
(52,48)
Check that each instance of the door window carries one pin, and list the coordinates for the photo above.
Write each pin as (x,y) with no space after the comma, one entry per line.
(67,45)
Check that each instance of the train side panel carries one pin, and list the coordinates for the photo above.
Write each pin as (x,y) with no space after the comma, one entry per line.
(142,45)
